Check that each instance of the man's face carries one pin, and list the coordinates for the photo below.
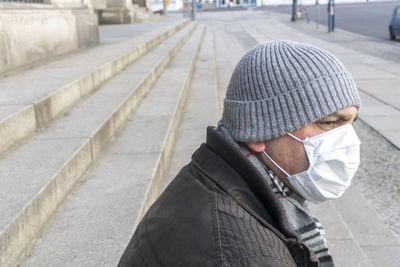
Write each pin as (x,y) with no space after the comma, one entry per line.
(290,153)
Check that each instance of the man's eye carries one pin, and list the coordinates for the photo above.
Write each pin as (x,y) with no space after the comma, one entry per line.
(329,123)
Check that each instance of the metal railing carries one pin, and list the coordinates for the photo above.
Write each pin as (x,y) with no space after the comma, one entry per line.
(22,1)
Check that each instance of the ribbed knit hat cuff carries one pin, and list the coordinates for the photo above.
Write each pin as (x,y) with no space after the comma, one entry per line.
(268,118)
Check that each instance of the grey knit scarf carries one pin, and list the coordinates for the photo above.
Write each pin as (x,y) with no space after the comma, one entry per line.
(294,207)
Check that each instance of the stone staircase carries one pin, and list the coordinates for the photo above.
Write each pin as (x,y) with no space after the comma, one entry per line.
(57,119)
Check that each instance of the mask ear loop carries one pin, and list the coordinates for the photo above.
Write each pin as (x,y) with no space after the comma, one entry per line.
(276,164)
(295,137)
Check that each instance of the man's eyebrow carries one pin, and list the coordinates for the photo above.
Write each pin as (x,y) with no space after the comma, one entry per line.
(342,117)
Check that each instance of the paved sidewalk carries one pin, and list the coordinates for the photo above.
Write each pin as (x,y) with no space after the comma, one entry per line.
(356,232)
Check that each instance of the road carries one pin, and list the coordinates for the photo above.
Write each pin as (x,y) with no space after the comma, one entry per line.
(369,19)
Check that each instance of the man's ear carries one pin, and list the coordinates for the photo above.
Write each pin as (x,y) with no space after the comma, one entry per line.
(256,146)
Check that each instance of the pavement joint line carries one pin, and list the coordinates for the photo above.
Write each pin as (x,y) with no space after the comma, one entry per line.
(378,99)
(379,132)
(374,79)
(137,153)
(60,138)
(351,236)
(379,246)
(15,104)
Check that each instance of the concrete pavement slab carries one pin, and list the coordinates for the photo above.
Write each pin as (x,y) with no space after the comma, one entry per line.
(338,236)
(383,118)
(364,223)
(378,242)
(378,175)
(384,123)
(137,131)
(190,138)
(228,53)
(157,106)
(386,90)
(393,135)
(346,253)
(373,104)
(334,226)
(361,71)
(383,256)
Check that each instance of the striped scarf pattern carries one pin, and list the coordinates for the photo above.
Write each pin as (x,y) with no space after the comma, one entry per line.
(297,216)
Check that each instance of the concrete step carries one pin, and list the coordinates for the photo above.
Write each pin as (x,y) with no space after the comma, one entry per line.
(32,98)
(201,109)
(37,176)
(96,223)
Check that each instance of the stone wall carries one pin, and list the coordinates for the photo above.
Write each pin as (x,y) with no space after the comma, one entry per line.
(30,33)
(142,3)
(66,3)
(116,3)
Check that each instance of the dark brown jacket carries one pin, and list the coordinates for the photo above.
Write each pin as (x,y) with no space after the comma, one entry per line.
(218,211)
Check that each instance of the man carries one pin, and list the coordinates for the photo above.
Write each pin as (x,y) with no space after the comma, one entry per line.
(285,138)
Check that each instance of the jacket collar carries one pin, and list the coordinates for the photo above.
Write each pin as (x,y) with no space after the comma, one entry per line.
(237,176)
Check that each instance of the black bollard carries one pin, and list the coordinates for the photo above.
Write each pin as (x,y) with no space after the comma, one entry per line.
(331,15)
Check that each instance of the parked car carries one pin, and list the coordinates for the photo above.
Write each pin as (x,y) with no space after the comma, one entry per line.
(394,26)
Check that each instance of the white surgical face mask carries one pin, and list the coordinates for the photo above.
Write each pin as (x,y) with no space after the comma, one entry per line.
(334,157)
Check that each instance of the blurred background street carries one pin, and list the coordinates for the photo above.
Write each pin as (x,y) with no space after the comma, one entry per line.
(368,18)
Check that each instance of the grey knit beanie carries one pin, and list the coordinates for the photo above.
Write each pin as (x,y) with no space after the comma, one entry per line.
(280,86)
